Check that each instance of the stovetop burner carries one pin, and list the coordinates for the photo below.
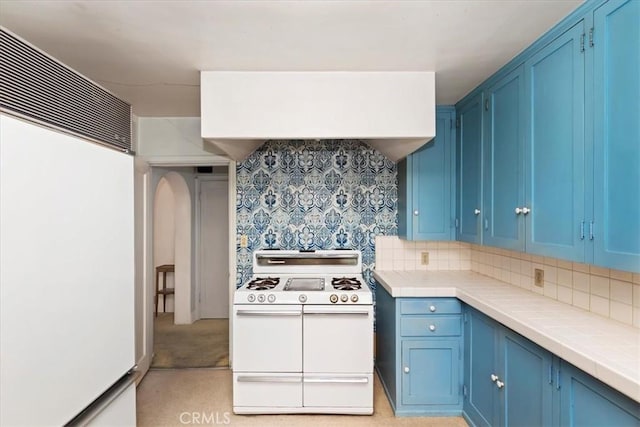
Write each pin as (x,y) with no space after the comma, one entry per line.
(263,283)
(345,283)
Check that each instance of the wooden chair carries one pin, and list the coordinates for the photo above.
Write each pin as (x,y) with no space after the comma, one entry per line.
(164,269)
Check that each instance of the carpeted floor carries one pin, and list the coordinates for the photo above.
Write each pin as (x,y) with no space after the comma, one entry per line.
(204,396)
(202,344)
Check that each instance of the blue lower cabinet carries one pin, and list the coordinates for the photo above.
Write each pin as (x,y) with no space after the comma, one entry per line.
(480,359)
(436,357)
(525,383)
(419,353)
(508,379)
(585,401)
(430,372)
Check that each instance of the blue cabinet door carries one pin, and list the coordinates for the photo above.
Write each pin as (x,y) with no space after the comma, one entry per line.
(480,341)
(425,185)
(430,372)
(587,402)
(503,188)
(555,160)
(616,127)
(469,169)
(526,391)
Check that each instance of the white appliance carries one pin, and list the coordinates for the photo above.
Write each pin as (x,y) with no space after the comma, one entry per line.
(66,279)
(303,335)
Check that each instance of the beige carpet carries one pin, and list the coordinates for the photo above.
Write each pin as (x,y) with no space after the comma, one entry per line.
(180,397)
(202,344)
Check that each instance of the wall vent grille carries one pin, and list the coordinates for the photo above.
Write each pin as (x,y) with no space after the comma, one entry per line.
(34,85)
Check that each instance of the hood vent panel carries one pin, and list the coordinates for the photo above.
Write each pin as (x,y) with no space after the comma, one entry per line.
(36,86)
(393,111)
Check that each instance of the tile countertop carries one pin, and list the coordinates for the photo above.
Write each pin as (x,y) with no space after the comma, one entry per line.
(604,348)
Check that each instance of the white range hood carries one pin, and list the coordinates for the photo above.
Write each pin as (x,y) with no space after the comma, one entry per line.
(394,112)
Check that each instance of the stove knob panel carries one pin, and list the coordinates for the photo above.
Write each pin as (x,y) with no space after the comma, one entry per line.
(271,298)
(344,298)
(333,298)
(302,298)
(354,298)
(251,298)
(261,298)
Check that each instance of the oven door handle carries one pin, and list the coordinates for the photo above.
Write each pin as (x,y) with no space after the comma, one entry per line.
(274,379)
(350,380)
(336,312)
(268,313)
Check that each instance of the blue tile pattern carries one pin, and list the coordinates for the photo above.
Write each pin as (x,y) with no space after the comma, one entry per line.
(315,195)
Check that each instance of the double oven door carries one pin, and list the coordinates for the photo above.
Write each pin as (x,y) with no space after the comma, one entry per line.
(294,356)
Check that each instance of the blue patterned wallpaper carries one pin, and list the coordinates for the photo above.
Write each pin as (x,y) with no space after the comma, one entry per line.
(315,195)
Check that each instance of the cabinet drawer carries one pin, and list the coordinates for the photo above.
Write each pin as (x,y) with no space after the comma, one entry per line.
(430,326)
(430,306)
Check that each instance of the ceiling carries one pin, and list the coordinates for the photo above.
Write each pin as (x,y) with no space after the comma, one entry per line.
(150,52)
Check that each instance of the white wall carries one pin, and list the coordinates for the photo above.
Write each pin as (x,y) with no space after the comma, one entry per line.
(164,233)
(174,141)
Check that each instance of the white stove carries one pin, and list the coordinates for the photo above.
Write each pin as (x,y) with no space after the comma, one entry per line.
(303,335)
(294,277)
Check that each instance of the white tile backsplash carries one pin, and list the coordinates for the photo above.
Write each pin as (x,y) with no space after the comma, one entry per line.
(609,293)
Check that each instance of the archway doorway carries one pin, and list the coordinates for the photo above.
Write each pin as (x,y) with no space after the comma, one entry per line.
(172,243)
(181,339)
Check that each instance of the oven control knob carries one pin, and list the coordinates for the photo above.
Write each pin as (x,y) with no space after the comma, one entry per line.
(333,298)
(302,298)
(251,298)
(344,298)
(271,298)
(261,298)
(354,298)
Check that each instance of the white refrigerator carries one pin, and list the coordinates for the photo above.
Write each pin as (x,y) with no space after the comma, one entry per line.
(66,279)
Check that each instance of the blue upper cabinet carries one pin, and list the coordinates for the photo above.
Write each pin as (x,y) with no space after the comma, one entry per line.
(469,169)
(616,134)
(555,147)
(561,144)
(425,185)
(503,189)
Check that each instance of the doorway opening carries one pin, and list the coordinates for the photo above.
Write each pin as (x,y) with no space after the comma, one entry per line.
(190,236)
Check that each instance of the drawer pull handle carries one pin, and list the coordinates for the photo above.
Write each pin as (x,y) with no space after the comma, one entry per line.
(406,369)
(432,308)
(500,384)
(494,377)
(432,328)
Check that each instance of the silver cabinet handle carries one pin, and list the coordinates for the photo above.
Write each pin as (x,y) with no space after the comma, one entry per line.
(432,308)
(432,328)
(500,384)
(268,313)
(351,380)
(275,261)
(252,379)
(494,377)
(526,210)
(476,211)
(406,369)
(416,213)
(518,211)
